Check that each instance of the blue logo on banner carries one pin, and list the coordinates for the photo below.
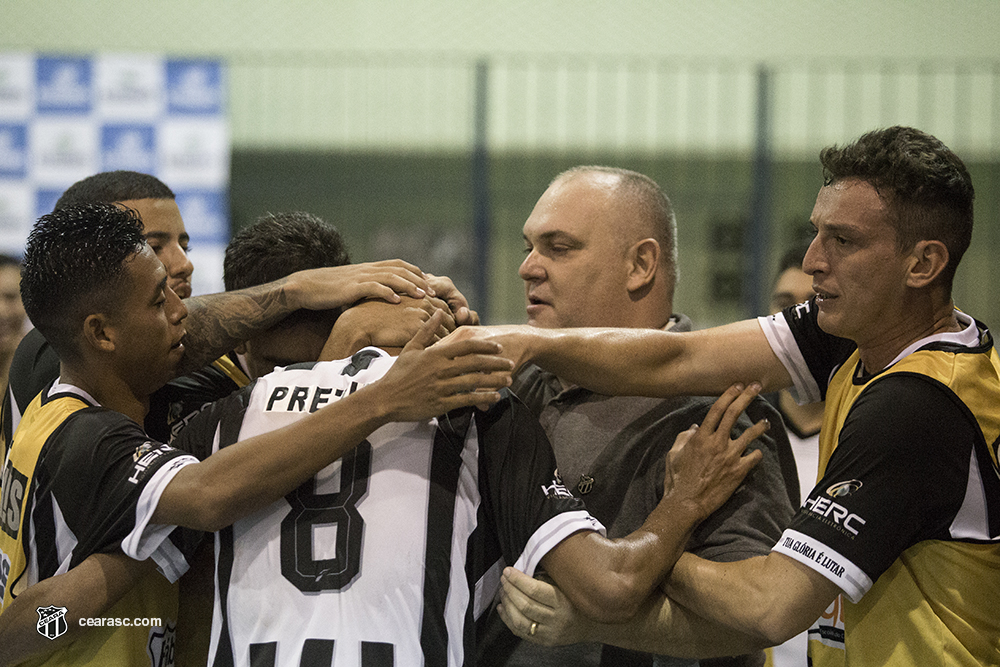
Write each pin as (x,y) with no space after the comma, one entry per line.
(13,151)
(45,201)
(206,214)
(64,85)
(194,87)
(130,147)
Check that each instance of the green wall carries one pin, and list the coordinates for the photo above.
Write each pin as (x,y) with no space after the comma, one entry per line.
(419,207)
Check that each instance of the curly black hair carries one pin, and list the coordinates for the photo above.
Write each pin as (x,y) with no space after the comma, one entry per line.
(75,265)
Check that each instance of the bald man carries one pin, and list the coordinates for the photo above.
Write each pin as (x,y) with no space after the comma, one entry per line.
(601,251)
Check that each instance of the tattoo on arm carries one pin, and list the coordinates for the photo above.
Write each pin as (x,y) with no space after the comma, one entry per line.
(216,323)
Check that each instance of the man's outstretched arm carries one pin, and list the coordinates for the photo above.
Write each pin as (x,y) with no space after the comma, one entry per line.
(645,362)
(217,323)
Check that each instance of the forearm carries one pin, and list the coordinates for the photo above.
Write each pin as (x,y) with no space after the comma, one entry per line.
(249,475)
(216,323)
(608,580)
(87,591)
(665,627)
(771,597)
(344,340)
(695,363)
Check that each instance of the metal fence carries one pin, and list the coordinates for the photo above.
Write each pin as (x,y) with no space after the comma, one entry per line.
(631,111)
(428,103)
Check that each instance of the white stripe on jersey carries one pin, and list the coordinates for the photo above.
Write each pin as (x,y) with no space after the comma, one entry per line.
(551,533)
(467,501)
(65,539)
(150,539)
(779,337)
(817,556)
(972,520)
(15,414)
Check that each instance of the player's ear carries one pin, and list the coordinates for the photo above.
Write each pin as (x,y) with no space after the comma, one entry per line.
(98,333)
(927,260)
(241,348)
(643,260)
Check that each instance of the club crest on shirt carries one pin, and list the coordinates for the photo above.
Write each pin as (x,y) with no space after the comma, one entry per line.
(160,646)
(51,622)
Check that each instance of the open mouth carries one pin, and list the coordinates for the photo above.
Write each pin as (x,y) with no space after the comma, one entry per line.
(535,301)
(822,297)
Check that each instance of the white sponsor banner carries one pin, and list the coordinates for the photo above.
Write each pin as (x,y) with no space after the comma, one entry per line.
(16,211)
(130,87)
(194,152)
(17,86)
(63,118)
(62,149)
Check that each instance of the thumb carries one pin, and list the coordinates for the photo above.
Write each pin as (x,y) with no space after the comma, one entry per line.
(427,333)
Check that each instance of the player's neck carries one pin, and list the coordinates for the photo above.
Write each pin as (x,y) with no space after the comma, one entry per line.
(876,355)
(107,389)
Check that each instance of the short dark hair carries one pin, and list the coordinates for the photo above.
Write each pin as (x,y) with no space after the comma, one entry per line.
(75,265)
(114,186)
(277,245)
(649,200)
(922,182)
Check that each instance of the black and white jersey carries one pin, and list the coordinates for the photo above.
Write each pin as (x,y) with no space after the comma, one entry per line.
(390,554)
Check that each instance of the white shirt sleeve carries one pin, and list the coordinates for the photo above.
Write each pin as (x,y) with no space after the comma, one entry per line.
(779,337)
(551,533)
(150,540)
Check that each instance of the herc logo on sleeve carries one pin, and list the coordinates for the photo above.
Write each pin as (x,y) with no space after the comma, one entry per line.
(51,622)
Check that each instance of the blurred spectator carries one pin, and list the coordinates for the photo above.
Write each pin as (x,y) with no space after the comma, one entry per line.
(13,321)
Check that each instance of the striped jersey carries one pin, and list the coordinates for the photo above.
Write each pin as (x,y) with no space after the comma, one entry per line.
(905,518)
(81,479)
(389,555)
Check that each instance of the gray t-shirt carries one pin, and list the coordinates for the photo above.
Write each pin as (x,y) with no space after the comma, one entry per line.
(611,452)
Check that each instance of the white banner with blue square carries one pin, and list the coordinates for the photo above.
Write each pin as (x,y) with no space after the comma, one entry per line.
(63,118)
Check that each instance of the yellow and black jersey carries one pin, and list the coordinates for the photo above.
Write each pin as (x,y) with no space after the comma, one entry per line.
(81,479)
(36,364)
(906,516)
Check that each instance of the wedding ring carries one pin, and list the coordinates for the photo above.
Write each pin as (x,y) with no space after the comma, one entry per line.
(531,631)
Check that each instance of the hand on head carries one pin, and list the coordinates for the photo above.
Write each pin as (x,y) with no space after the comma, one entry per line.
(430,379)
